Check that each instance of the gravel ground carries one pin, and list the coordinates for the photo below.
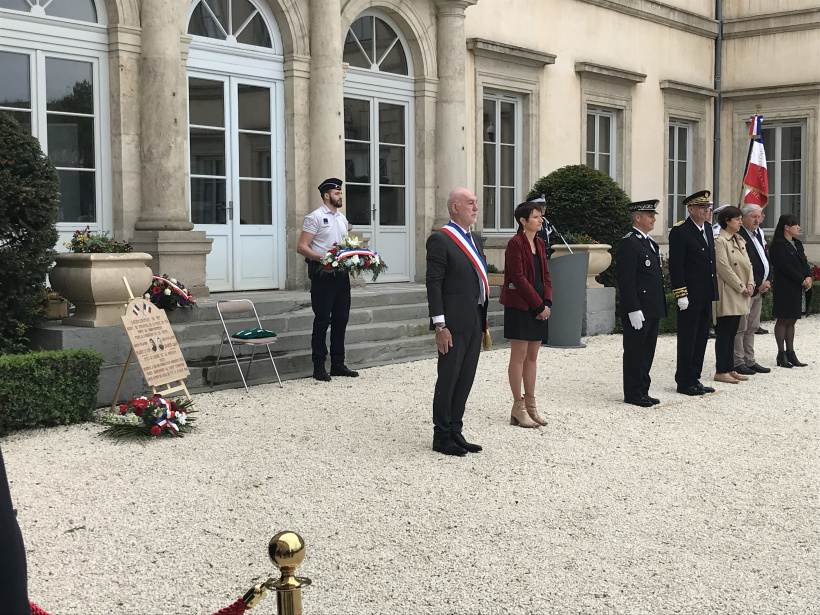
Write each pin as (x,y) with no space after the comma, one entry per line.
(701,505)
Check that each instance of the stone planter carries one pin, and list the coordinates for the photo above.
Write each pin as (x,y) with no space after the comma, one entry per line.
(599,258)
(93,283)
(495,279)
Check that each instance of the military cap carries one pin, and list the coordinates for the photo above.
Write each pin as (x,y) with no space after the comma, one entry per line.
(331,183)
(644,206)
(537,198)
(698,199)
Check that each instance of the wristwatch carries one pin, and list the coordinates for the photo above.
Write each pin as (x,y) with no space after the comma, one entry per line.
(440,328)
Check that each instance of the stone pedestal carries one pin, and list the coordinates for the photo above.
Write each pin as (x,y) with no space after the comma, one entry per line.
(599,315)
(180,254)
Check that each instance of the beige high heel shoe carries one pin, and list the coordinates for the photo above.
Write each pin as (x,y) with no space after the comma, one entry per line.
(519,416)
(529,402)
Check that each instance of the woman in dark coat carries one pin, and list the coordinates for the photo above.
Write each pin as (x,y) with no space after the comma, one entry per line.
(792,278)
(526,297)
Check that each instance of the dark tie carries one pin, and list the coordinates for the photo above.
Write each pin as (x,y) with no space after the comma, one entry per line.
(759,237)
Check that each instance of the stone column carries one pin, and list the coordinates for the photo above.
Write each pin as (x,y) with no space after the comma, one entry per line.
(327,146)
(451,105)
(164,228)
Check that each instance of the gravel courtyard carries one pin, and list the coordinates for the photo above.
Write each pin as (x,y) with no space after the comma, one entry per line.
(700,505)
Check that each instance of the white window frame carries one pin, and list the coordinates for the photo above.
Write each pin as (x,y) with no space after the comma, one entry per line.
(53,37)
(774,161)
(612,114)
(677,211)
(517,102)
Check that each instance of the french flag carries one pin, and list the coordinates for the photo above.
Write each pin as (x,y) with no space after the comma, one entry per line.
(756,179)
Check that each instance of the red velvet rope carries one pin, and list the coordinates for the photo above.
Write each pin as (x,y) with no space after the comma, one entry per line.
(237,608)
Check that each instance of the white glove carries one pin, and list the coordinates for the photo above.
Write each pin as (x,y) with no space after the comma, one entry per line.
(683,303)
(636,318)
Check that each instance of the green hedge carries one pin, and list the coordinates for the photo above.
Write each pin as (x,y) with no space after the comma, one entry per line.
(670,323)
(53,387)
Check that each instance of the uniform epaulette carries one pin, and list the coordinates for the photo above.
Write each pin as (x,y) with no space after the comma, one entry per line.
(679,223)
(629,234)
(680,292)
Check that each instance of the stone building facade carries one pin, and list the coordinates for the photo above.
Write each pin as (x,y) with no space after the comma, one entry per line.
(198,130)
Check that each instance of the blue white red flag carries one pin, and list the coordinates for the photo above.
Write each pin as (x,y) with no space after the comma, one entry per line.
(756,177)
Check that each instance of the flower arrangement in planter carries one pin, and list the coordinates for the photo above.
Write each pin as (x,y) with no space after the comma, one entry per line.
(348,256)
(86,242)
(169,293)
(142,418)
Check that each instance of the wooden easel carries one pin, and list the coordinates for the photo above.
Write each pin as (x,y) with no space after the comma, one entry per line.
(172,387)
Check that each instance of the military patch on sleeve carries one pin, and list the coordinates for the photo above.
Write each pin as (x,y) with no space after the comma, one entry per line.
(679,223)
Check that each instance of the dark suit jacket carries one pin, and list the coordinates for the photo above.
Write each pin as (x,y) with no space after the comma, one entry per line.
(754,256)
(692,262)
(452,284)
(640,279)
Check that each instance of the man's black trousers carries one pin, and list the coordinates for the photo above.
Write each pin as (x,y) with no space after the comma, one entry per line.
(330,299)
(639,352)
(13,576)
(693,333)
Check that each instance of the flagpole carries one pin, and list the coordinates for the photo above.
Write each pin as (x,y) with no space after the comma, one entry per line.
(746,167)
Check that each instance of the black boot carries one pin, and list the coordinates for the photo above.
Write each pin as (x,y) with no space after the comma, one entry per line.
(783,360)
(793,359)
(320,373)
(340,369)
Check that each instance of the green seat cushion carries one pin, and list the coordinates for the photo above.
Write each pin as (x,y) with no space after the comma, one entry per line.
(253,334)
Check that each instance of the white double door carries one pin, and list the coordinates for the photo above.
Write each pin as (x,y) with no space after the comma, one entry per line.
(379,177)
(237,178)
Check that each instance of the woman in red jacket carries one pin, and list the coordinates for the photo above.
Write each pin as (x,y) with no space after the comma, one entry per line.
(526,297)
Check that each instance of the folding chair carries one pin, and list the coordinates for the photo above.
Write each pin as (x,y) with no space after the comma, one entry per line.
(242,306)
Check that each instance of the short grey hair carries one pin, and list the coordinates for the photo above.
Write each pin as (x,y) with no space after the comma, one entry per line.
(748,208)
(633,215)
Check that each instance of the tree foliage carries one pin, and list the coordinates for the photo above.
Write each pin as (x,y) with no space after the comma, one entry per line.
(29,193)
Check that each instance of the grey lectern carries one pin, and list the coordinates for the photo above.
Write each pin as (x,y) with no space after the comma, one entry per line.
(569,292)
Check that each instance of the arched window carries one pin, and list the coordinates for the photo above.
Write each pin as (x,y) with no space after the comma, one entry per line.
(372,43)
(81,10)
(232,21)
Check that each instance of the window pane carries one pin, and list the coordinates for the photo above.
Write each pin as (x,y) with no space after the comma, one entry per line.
(789,205)
(769,135)
(14,75)
(590,136)
(71,141)
(489,120)
(604,124)
(254,108)
(255,202)
(391,165)
(255,33)
(391,206)
(672,133)
(791,143)
(507,208)
(77,196)
(395,61)
(591,161)
(254,155)
(489,208)
(357,204)
(69,86)
(673,217)
(683,143)
(205,102)
(23,117)
(603,164)
(15,5)
(207,201)
(507,122)
(671,183)
(203,23)
(489,165)
(357,119)
(790,178)
(391,124)
(207,152)
(363,29)
(81,10)
(682,179)
(357,162)
(507,165)
(353,55)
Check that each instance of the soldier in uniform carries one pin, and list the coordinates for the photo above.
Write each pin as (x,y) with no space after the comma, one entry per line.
(694,283)
(643,303)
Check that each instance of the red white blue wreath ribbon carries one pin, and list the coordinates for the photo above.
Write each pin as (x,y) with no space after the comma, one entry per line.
(167,415)
(181,291)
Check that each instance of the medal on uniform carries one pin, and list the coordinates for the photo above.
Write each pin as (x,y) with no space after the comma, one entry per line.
(647,262)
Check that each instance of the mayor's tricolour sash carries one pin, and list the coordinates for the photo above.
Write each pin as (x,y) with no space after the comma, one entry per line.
(467,246)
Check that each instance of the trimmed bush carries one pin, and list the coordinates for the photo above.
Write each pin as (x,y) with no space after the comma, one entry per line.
(28,212)
(51,387)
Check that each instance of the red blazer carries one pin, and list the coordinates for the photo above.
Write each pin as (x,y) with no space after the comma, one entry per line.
(519,275)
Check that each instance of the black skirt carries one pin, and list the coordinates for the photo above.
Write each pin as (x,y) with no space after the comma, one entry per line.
(521,325)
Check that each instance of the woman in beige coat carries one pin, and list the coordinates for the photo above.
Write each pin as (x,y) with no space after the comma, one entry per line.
(735,287)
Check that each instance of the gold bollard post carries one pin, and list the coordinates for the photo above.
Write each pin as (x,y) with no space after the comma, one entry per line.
(287,550)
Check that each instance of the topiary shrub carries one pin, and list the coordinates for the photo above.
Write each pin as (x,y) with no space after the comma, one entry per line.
(29,192)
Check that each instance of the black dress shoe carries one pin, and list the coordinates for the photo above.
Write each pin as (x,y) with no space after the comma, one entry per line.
(655,401)
(643,402)
(340,369)
(759,368)
(783,360)
(691,390)
(761,331)
(320,373)
(746,371)
(467,446)
(448,447)
(704,388)
(793,359)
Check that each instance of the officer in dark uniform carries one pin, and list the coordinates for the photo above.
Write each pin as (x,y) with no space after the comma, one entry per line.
(643,304)
(694,282)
